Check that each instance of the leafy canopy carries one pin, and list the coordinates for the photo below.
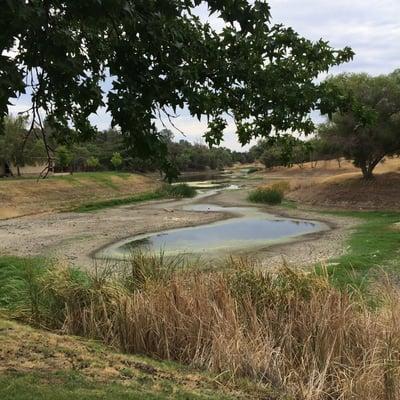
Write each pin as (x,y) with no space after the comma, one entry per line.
(370,129)
(143,59)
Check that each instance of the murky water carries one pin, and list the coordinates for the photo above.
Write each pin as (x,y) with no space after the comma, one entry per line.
(249,229)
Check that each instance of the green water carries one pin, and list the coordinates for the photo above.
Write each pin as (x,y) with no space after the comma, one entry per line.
(248,229)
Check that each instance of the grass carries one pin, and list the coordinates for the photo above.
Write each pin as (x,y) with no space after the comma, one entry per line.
(61,193)
(15,273)
(179,191)
(290,204)
(265,196)
(288,329)
(42,365)
(167,191)
(101,204)
(66,386)
(69,385)
(252,170)
(372,250)
(104,178)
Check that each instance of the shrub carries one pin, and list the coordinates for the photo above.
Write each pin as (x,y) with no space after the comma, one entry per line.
(179,190)
(266,195)
(116,160)
(252,170)
(93,163)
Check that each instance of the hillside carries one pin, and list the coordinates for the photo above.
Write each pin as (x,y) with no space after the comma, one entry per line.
(328,185)
(31,196)
(37,364)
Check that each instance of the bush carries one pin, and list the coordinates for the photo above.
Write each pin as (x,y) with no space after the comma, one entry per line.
(252,170)
(266,195)
(179,191)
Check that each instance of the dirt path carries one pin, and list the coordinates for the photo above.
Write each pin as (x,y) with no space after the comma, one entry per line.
(74,237)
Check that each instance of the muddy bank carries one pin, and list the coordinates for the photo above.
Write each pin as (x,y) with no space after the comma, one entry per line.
(75,237)
(305,250)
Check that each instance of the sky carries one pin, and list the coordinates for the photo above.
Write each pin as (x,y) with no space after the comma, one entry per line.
(370,27)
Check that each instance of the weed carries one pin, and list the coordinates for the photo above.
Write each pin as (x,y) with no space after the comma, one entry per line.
(179,190)
(266,196)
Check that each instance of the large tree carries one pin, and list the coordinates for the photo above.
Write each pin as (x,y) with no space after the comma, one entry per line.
(143,59)
(370,129)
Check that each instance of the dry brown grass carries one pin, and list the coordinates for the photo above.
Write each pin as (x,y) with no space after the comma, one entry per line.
(280,186)
(290,329)
(328,185)
(29,196)
(350,191)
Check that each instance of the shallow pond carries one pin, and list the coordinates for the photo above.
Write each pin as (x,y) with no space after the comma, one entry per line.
(248,229)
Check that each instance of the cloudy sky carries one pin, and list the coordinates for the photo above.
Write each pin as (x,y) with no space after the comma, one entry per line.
(370,28)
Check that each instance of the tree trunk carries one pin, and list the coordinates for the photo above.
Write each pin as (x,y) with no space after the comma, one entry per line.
(368,167)
(367,172)
(18,171)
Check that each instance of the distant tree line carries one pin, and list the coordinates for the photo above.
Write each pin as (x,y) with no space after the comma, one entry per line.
(107,152)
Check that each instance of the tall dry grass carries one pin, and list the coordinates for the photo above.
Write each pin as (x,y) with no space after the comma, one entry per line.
(289,329)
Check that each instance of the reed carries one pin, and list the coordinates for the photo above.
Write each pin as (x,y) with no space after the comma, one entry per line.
(289,329)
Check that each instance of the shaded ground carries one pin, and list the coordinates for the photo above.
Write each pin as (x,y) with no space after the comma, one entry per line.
(39,364)
(29,196)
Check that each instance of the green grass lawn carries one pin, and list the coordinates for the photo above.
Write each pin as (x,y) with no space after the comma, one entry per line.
(71,385)
(373,248)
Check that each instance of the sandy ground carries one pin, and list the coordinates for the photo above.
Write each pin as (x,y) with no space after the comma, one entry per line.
(75,237)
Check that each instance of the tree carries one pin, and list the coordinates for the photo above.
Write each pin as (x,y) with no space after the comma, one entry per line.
(271,157)
(157,56)
(93,163)
(326,146)
(370,129)
(17,148)
(64,157)
(116,160)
